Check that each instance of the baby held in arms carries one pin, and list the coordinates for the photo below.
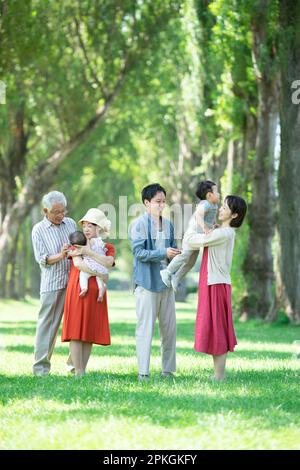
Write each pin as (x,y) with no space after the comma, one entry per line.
(97,245)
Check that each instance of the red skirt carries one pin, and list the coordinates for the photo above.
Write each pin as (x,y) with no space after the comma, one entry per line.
(85,319)
(214,331)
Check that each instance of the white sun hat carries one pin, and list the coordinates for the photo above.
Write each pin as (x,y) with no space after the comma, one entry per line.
(97,217)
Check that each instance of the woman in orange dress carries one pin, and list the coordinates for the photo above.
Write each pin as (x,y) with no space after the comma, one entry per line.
(85,318)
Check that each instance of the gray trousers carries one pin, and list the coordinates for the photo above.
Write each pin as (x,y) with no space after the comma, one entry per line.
(49,319)
(182,263)
(150,305)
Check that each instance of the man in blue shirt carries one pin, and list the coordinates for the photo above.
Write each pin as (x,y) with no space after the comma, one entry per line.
(153,245)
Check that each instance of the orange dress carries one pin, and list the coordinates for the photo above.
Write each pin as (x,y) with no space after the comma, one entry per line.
(85,319)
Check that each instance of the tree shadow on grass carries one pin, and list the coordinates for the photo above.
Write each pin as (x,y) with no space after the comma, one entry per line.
(256,333)
(21,328)
(267,333)
(160,401)
(129,350)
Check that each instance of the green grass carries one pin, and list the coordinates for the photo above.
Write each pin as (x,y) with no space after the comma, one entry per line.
(258,407)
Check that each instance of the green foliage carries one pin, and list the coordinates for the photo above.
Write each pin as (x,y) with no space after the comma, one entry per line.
(189,89)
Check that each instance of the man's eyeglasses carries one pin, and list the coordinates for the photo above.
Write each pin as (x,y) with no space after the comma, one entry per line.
(55,213)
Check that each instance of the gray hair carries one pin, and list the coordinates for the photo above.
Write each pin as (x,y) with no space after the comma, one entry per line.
(53,197)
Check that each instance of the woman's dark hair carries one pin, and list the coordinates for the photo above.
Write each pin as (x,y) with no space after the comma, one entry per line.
(238,206)
(203,188)
(77,238)
(150,191)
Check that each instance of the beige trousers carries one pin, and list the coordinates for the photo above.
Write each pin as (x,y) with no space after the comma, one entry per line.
(150,305)
(49,319)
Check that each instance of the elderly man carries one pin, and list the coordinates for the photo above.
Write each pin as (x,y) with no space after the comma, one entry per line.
(50,239)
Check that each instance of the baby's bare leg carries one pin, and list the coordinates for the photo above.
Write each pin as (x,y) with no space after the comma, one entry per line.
(83,282)
(101,289)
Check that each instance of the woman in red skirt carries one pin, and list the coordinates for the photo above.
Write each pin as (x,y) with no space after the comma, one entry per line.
(214,331)
(85,318)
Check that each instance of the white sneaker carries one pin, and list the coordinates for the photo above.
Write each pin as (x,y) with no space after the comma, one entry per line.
(70,368)
(165,277)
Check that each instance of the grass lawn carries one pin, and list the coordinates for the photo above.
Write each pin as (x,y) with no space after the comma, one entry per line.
(258,407)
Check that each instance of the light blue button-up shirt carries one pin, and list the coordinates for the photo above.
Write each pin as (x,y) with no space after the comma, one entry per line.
(148,257)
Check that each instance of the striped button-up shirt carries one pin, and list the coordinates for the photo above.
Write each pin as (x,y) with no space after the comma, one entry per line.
(47,240)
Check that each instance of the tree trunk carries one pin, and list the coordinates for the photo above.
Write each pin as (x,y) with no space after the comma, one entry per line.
(23,267)
(247,150)
(12,164)
(258,265)
(34,272)
(229,169)
(13,273)
(40,180)
(289,170)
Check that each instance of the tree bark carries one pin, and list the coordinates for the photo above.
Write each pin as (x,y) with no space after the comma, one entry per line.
(12,164)
(230,162)
(13,292)
(34,269)
(258,265)
(247,150)
(40,180)
(288,292)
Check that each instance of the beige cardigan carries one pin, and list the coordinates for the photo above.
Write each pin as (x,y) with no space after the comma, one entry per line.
(220,243)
